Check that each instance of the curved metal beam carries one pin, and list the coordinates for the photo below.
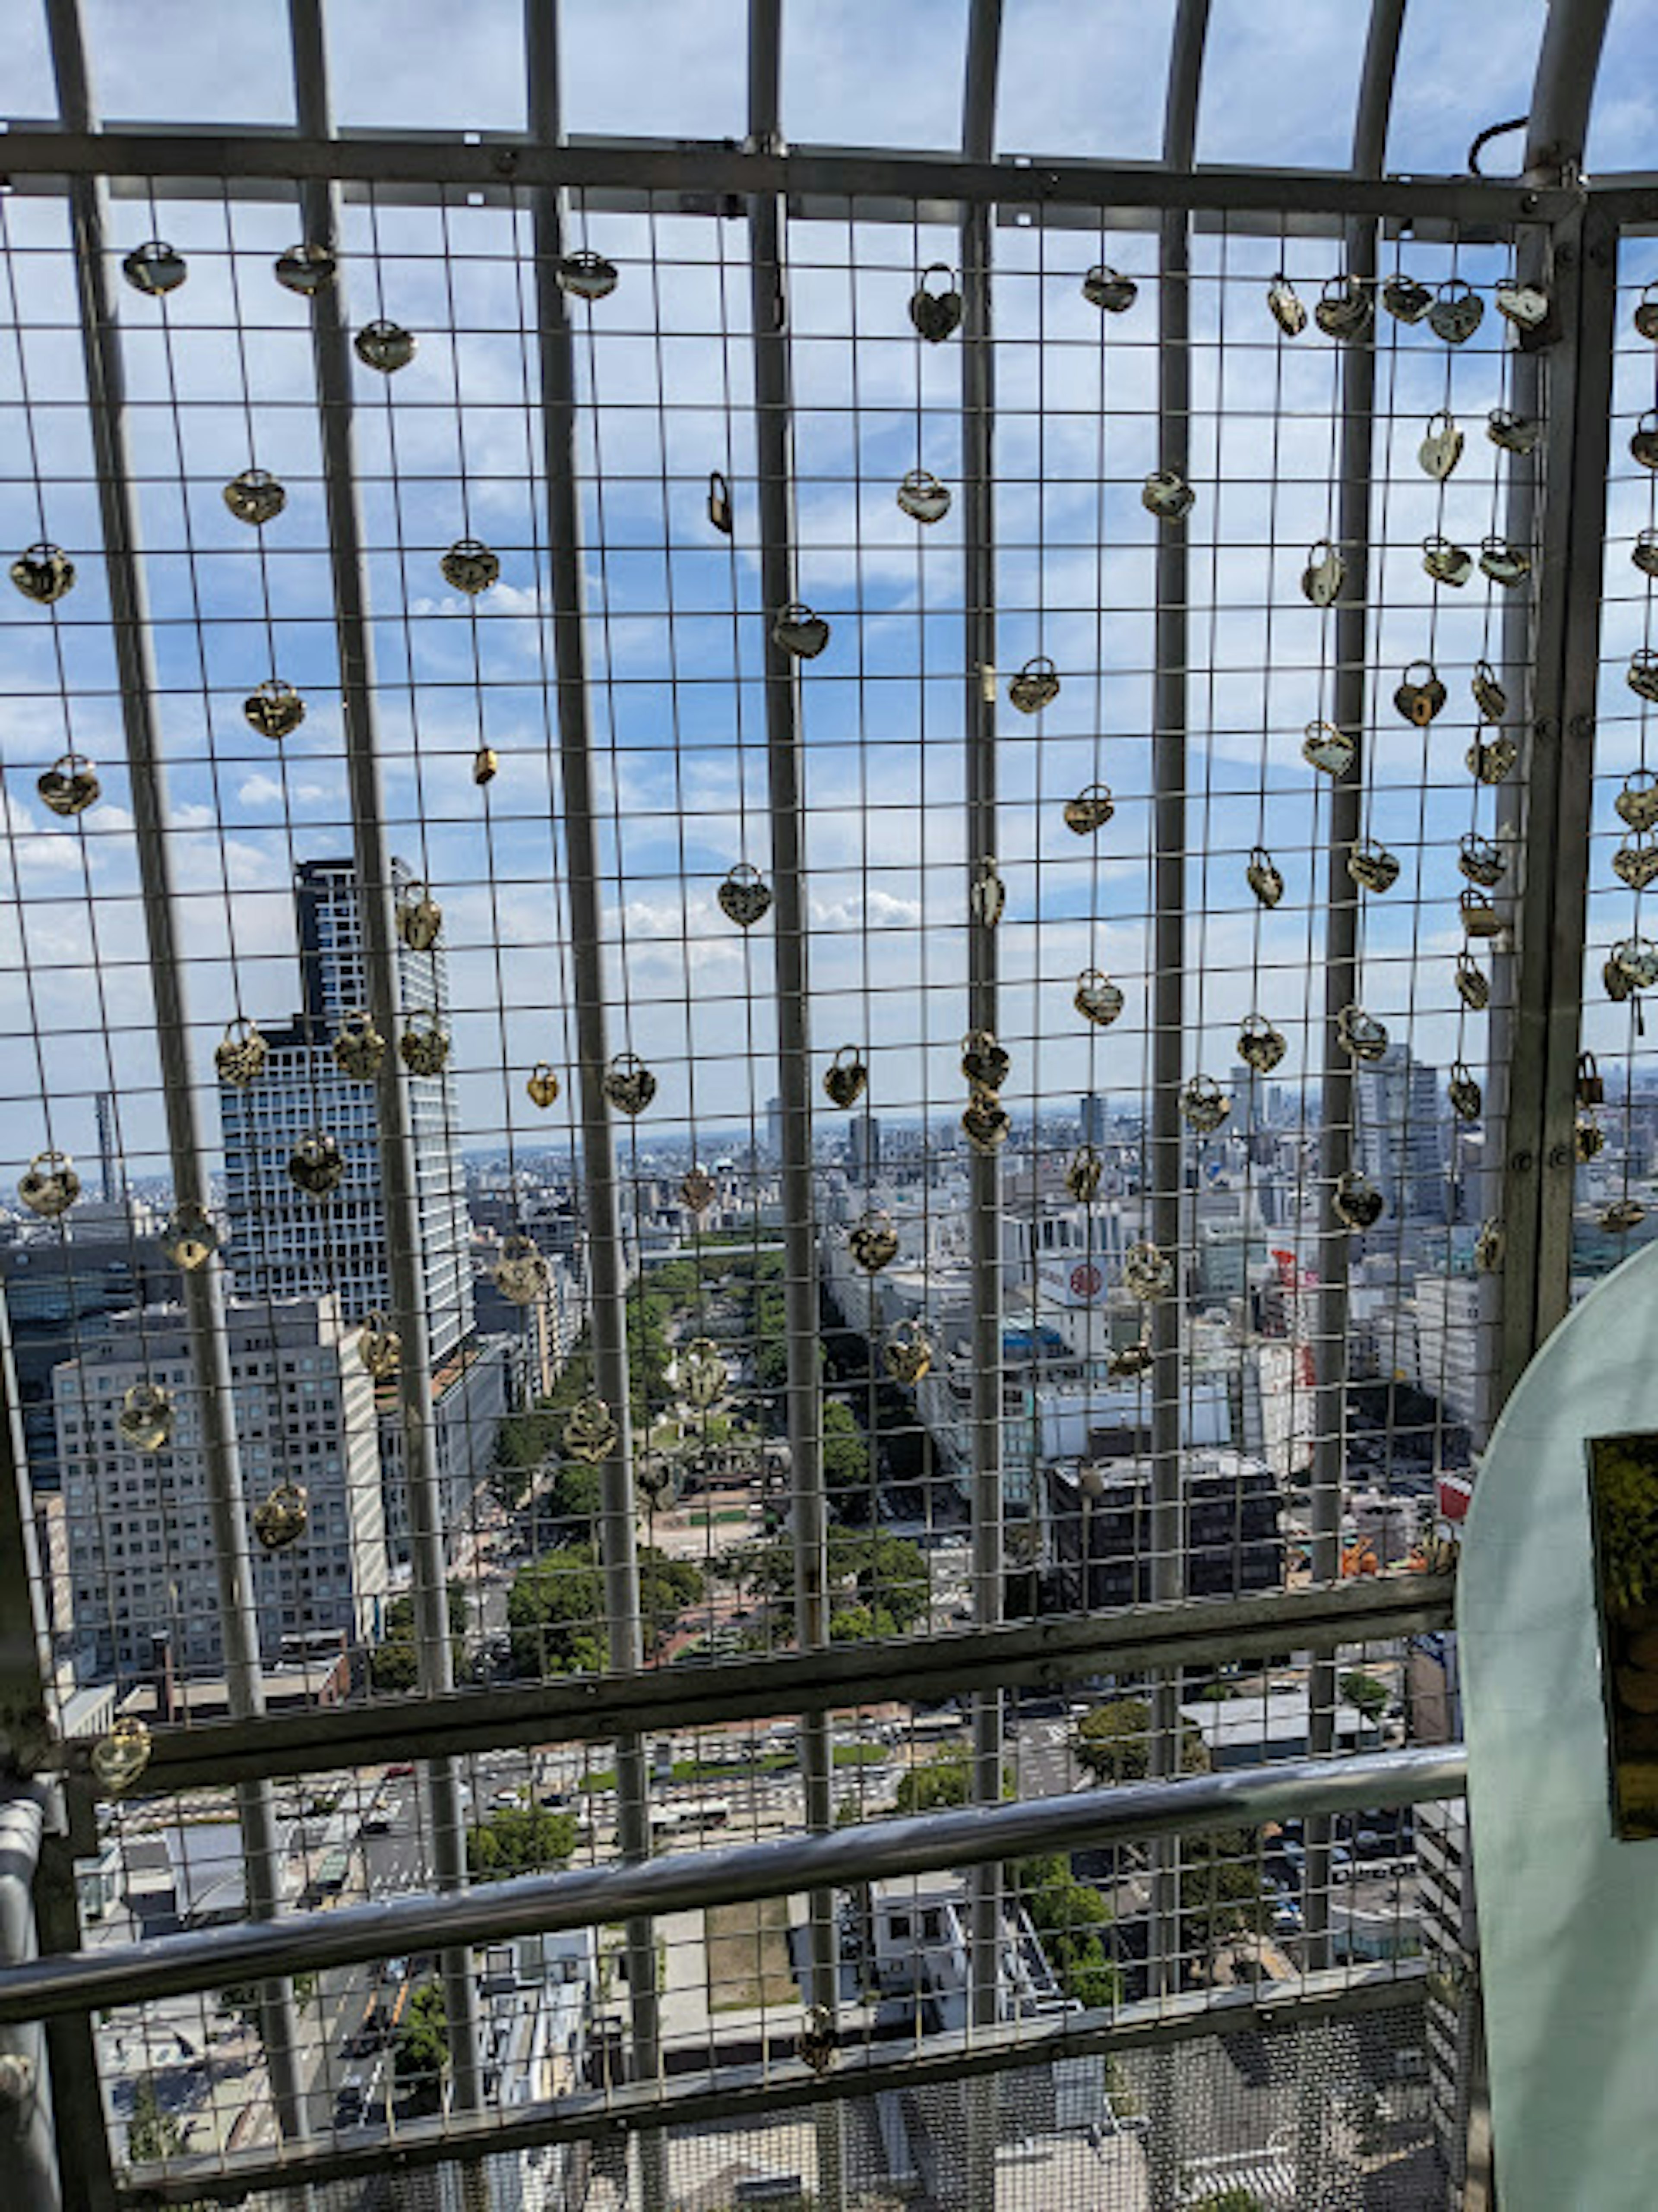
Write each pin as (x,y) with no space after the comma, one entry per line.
(1563,92)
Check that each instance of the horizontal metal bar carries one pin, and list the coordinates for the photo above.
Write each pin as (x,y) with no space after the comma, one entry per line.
(211,1959)
(763,2091)
(597,1707)
(697,176)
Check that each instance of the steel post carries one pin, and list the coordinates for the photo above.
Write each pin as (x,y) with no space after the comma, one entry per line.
(26,2139)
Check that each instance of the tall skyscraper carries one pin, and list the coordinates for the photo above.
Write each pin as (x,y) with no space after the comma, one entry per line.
(864,1147)
(109,1149)
(1397,1113)
(1092,1118)
(284,1243)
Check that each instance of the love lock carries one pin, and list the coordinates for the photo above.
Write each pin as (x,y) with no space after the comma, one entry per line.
(1491,760)
(1203,1104)
(984,1123)
(1646,312)
(873,1241)
(520,1272)
(1104,288)
(1166,494)
(1643,552)
(1329,749)
(1467,1102)
(70,786)
(818,2043)
(719,504)
(307,270)
(118,1758)
(1642,673)
(1260,1045)
(419,918)
(1445,562)
(1262,875)
(1372,867)
(275,710)
(1147,1274)
(1284,305)
(1643,446)
(1525,306)
(146,1418)
(1346,309)
(1622,1215)
(1473,986)
(1504,563)
(700,1374)
(1515,434)
(255,497)
(1419,702)
(986,897)
(628,1084)
(591,1433)
(191,1238)
(847,1077)
(49,1185)
(745,897)
(155,269)
(379,1347)
(240,1055)
(1617,984)
(541,1085)
(1637,802)
(1089,810)
(984,1062)
(317,1165)
(1035,686)
(1636,861)
(424,1046)
(359,1049)
(1478,916)
(1082,1174)
(923,498)
(586,275)
(800,632)
(1324,574)
(907,1354)
(1096,998)
(283,1518)
(486,765)
(1130,1361)
(1457,313)
(44,573)
(1360,1035)
(936,315)
(1356,1202)
(699,1190)
(1489,696)
(1589,1138)
(1406,300)
(385,346)
(470,567)
(1480,860)
(1442,449)
(1591,1083)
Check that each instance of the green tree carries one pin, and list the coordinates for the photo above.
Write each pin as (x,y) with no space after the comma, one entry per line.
(523,1839)
(941,1781)
(1365,1691)
(1114,1742)
(555,1608)
(152,2134)
(395,1664)
(1069,1916)
(422,2048)
(1230,2200)
(846,1449)
(1220,1889)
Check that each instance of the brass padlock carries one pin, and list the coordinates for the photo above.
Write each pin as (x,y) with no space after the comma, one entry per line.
(1591,1085)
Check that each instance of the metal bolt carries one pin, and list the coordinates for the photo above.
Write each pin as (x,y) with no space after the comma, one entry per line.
(505,161)
(1560,1156)
(1521,1163)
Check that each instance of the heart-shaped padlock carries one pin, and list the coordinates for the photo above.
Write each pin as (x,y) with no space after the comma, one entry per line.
(1089,810)
(316,1165)
(1457,313)
(984,1062)
(1490,760)
(798,631)
(385,346)
(1468,1100)
(1360,1034)
(847,1077)
(1096,998)
(155,269)
(1166,494)
(486,765)
(1503,563)
(1419,701)
(1147,1273)
(628,1084)
(1203,1104)
(275,710)
(936,315)
(586,275)
(255,497)
(49,1185)
(379,1347)
(1035,686)
(698,1374)
(283,1518)
(589,1430)
(744,896)
(1642,673)
(469,567)
(1637,802)
(1489,1245)
(1637,960)
(1525,306)
(118,1758)
(698,1190)
(541,1085)
(1406,300)
(1515,434)
(1643,446)
(146,1418)
(43,573)
(922,497)
(1589,1138)
(1445,562)
(1622,1215)
(1329,749)
(1646,312)
(423,1047)
(70,786)
(907,1355)
(1635,862)
(1082,1174)
(1372,867)
(520,1272)
(1489,696)
(419,917)
(191,1238)
(1263,877)
(1442,448)
(1356,1202)
(1645,551)
(359,1049)
(1324,574)
(306,269)
(1346,309)
(986,897)
(240,1056)
(984,1122)
(720,513)
(1130,1361)
(873,1241)
(1480,860)
(1284,305)
(1104,288)
(1260,1045)
(1474,985)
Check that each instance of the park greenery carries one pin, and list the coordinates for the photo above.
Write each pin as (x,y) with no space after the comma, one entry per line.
(1367,1694)
(1114,1742)
(395,1663)
(422,2051)
(520,1839)
(877,1585)
(556,1609)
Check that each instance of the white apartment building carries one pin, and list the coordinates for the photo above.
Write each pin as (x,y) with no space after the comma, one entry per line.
(1455,1344)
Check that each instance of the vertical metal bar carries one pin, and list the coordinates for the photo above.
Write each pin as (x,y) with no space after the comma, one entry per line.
(25,2118)
(804,1397)
(202,1288)
(607,1272)
(399,1169)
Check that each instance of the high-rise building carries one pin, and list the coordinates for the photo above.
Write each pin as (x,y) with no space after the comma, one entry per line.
(284,1243)
(774,1128)
(109,1148)
(1397,1113)
(1092,1118)
(864,1147)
